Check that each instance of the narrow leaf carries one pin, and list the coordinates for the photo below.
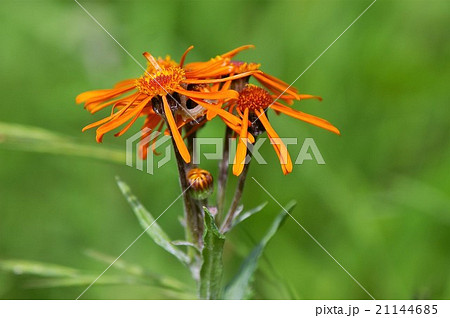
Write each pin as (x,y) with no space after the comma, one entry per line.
(136,270)
(245,215)
(212,267)
(35,139)
(20,267)
(239,287)
(81,281)
(52,275)
(132,269)
(185,243)
(148,222)
(86,280)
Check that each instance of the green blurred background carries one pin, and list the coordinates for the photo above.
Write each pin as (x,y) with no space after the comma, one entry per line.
(381,204)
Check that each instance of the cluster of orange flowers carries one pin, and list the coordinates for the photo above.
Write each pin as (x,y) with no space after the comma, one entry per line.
(189,95)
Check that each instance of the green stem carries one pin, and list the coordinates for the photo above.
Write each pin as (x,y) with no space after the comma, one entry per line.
(223,175)
(210,286)
(236,199)
(193,214)
(193,224)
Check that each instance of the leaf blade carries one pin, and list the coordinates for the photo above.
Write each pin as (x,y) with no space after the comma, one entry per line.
(245,215)
(239,286)
(25,267)
(148,222)
(156,279)
(36,139)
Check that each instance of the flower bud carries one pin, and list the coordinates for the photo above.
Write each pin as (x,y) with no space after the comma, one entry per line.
(201,183)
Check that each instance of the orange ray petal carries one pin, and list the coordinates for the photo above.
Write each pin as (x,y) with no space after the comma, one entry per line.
(219,80)
(278,145)
(119,120)
(237,130)
(232,53)
(102,94)
(231,94)
(150,122)
(306,96)
(183,57)
(97,123)
(210,114)
(214,72)
(208,69)
(152,60)
(175,133)
(277,88)
(95,107)
(277,80)
(120,133)
(129,103)
(289,99)
(219,111)
(125,83)
(313,120)
(241,151)
(226,85)
(202,66)
(124,101)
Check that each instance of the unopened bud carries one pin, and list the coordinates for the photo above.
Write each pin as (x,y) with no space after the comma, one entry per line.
(201,183)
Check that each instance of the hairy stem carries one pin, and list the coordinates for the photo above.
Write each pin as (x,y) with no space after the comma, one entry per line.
(194,219)
(190,142)
(223,174)
(193,213)
(236,199)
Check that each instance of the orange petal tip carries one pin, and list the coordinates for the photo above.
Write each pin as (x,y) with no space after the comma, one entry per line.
(237,169)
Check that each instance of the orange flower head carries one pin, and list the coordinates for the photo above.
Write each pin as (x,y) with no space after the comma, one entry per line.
(162,77)
(162,82)
(252,104)
(253,97)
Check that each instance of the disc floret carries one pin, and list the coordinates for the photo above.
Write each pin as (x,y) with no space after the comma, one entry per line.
(253,98)
(162,82)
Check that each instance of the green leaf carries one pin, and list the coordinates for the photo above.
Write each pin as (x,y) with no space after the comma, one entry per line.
(131,269)
(149,277)
(212,267)
(149,223)
(21,267)
(35,139)
(185,243)
(245,215)
(239,287)
(87,279)
(82,280)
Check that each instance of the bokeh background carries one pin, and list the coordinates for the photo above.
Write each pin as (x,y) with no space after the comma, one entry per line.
(380,205)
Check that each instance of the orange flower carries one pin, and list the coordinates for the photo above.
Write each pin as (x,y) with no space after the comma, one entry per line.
(163,77)
(224,70)
(251,106)
(214,109)
(224,65)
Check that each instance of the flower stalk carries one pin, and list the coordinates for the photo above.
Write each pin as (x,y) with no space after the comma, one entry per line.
(227,223)
(192,212)
(223,174)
